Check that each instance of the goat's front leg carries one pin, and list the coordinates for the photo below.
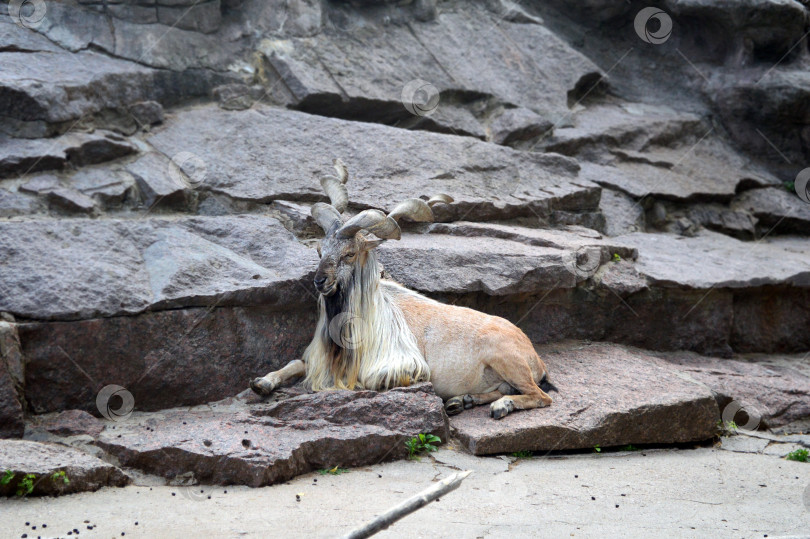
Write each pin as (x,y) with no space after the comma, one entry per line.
(266,385)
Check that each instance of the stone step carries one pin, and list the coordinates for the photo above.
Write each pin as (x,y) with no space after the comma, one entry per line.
(261,444)
(419,75)
(287,151)
(608,395)
(43,463)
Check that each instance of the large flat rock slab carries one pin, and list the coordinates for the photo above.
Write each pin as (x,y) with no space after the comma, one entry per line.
(608,395)
(669,260)
(361,74)
(287,151)
(497,259)
(262,444)
(42,460)
(84,269)
(770,390)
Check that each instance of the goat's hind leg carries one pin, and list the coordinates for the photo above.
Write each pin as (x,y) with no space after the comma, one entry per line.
(464,402)
(518,374)
(265,385)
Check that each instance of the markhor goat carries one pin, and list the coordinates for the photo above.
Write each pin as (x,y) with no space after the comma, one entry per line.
(373,333)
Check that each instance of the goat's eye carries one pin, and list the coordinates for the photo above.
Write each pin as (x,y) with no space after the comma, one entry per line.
(349,256)
(318,248)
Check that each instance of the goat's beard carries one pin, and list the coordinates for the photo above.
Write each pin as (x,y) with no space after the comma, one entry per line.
(338,301)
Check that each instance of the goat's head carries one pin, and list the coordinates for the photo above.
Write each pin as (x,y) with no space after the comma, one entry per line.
(347,244)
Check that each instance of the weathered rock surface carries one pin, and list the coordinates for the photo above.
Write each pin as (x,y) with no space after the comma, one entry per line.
(712,260)
(287,151)
(771,391)
(20,156)
(12,424)
(524,65)
(67,423)
(776,209)
(148,264)
(84,472)
(262,444)
(524,259)
(608,395)
(165,358)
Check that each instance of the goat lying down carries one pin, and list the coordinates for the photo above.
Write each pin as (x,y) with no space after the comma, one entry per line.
(373,333)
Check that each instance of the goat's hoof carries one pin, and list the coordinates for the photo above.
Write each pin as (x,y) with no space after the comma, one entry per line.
(468,402)
(262,387)
(454,406)
(501,408)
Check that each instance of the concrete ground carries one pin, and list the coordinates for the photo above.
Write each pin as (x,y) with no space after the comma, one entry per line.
(704,492)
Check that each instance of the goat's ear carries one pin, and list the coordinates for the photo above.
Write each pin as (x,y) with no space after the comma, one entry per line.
(367,244)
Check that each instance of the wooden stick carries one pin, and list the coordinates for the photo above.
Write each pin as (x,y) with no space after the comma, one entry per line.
(410,505)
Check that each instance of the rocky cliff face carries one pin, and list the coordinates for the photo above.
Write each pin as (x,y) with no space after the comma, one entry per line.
(615,178)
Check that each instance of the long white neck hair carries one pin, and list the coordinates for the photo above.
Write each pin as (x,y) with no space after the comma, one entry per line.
(367,344)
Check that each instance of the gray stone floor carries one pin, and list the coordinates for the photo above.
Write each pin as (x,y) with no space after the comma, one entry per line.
(704,492)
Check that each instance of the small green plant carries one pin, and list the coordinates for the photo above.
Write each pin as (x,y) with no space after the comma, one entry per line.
(7,477)
(616,257)
(26,485)
(790,186)
(798,455)
(60,476)
(597,448)
(522,454)
(333,471)
(422,443)
(726,427)
(630,447)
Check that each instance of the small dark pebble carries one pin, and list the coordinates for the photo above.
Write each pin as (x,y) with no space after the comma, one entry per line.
(624,494)
(27,523)
(315,479)
(209,497)
(89,527)
(24,535)
(136,523)
(122,533)
(593,497)
(225,492)
(33,527)
(173,494)
(379,475)
(576,476)
(617,506)
(201,491)
(44,525)
(184,422)
(297,498)
(70,533)
(207,443)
